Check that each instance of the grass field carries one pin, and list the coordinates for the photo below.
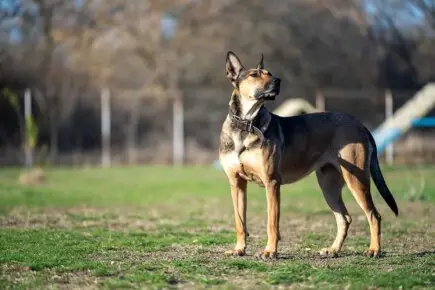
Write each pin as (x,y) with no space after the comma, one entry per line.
(156,227)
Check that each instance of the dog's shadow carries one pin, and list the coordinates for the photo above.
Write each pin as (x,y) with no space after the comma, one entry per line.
(423,253)
(348,254)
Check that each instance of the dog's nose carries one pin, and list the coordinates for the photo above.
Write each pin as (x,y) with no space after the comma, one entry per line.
(276,81)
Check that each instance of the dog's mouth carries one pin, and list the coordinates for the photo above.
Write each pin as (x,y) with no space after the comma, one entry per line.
(269,94)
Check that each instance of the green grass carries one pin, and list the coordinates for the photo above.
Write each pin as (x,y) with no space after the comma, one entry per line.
(157,227)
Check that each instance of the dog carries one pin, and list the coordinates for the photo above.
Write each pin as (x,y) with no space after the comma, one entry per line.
(258,146)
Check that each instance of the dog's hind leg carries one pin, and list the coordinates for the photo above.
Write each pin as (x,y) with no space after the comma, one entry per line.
(355,169)
(238,193)
(331,182)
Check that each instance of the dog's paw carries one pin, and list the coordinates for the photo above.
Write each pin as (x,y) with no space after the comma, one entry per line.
(375,253)
(235,252)
(264,255)
(328,253)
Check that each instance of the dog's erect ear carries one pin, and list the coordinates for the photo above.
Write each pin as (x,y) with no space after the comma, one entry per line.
(233,66)
(260,64)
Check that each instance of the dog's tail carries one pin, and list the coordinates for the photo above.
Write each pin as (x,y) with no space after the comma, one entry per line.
(378,178)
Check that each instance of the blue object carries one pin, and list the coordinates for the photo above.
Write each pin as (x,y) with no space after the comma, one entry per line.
(424,122)
(217,165)
(385,137)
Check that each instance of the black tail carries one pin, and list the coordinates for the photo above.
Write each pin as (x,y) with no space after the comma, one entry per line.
(378,178)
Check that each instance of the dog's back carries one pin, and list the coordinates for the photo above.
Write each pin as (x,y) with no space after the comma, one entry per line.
(312,140)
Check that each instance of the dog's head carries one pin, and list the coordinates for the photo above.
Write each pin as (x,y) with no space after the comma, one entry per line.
(256,83)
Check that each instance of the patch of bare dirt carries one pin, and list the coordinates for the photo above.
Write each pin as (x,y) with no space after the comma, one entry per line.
(74,280)
(19,275)
(82,217)
(34,176)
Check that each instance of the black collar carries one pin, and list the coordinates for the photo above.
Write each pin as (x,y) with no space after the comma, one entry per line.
(252,126)
(244,124)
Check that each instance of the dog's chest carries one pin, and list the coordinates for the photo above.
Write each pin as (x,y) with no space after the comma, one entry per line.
(242,145)
(241,154)
(247,164)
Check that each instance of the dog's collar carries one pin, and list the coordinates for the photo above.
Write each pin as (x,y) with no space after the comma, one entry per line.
(250,125)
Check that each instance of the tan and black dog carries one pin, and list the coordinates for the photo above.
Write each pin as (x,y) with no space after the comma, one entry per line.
(258,146)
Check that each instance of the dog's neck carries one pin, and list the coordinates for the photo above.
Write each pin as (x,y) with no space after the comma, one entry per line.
(245,109)
(252,117)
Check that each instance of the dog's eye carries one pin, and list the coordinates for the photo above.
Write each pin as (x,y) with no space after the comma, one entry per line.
(254,74)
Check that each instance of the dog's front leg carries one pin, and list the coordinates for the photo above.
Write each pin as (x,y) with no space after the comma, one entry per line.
(238,193)
(273,194)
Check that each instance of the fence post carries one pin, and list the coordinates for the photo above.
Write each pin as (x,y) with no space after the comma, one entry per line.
(178,129)
(389,110)
(28,152)
(320,101)
(105,128)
